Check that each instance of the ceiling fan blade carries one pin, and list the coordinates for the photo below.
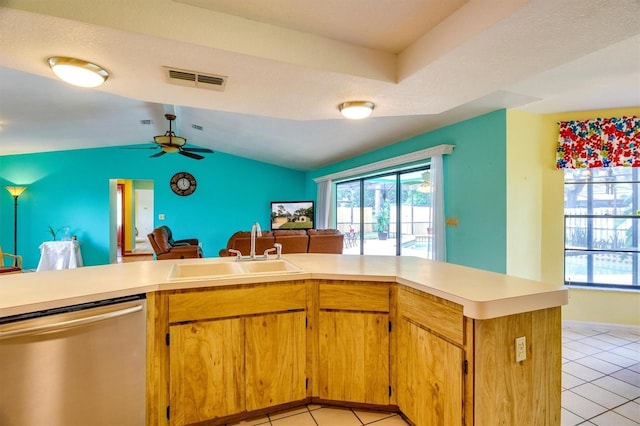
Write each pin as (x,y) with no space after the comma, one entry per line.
(210,151)
(191,155)
(158,154)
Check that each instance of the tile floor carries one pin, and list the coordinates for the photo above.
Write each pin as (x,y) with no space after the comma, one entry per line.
(600,375)
(314,415)
(600,384)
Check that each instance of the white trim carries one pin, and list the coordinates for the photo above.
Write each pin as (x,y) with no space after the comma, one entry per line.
(575,323)
(602,288)
(389,162)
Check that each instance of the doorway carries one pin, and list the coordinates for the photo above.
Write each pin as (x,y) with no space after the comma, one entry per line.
(131,217)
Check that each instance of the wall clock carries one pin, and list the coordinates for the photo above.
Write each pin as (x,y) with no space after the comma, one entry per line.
(183,183)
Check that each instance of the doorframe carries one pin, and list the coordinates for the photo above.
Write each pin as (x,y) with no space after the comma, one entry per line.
(120,189)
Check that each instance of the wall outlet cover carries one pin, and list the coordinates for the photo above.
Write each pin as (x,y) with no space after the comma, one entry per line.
(521,349)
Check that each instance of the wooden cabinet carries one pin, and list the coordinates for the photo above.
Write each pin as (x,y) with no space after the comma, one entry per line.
(221,364)
(275,357)
(248,348)
(353,350)
(430,359)
(206,370)
(430,377)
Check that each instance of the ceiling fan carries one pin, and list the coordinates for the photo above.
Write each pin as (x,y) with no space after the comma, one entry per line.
(170,143)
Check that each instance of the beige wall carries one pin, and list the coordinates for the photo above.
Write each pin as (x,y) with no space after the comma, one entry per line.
(524,194)
(608,306)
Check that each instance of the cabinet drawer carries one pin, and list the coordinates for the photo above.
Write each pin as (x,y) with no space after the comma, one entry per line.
(355,297)
(439,315)
(222,303)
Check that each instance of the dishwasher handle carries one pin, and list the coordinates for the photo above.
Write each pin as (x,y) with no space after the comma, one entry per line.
(64,325)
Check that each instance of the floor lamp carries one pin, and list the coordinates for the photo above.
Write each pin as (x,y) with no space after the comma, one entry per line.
(15,192)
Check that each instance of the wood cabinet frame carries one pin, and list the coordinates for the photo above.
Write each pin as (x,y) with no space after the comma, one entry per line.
(491,375)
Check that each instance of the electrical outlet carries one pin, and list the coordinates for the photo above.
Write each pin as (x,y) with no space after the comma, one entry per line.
(521,349)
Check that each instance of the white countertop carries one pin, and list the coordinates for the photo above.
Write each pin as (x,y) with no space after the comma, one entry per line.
(482,294)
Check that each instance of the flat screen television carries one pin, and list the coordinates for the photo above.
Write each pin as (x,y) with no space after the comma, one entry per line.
(292,215)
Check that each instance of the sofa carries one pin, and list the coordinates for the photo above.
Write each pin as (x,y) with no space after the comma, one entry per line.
(292,240)
(165,247)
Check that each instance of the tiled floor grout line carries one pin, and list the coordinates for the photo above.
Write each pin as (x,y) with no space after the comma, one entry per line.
(311,414)
(356,414)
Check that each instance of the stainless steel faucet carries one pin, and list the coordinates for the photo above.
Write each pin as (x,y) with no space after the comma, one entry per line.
(255,231)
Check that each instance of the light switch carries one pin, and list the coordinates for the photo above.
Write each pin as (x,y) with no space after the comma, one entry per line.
(451,221)
(161,216)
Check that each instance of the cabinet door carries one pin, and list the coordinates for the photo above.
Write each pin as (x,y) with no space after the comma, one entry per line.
(275,359)
(354,357)
(430,380)
(206,370)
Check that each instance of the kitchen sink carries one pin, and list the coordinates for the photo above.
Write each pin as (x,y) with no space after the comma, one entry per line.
(190,270)
(218,270)
(268,266)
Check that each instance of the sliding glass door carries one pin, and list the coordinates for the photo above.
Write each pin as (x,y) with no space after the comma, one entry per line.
(387,214)
(416,214)
(380,215)
(349,213)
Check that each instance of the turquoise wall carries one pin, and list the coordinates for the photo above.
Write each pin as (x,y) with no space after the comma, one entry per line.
(475,186)
(72,188)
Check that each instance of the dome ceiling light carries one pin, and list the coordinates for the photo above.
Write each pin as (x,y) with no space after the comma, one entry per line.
(356,110)
(78,72)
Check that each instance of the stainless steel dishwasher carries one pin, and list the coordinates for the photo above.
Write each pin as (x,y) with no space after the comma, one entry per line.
(80,365)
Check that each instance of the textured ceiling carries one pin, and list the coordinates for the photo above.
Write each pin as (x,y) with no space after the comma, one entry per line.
(291,62)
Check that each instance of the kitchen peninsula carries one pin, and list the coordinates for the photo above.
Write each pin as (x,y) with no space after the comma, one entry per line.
(432,340)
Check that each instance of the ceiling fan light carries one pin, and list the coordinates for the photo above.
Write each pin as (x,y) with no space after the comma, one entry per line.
(172,139)
(78,72)
(356,110)
(170,149)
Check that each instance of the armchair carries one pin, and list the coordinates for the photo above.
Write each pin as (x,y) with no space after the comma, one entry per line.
(13,263)
(165,247)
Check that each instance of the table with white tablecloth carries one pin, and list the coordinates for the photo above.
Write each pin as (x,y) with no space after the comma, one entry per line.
(56,255)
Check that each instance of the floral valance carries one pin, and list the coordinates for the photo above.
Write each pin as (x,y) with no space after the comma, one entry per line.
(601,142)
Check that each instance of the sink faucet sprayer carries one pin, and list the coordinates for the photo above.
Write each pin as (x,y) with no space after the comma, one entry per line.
(255,231)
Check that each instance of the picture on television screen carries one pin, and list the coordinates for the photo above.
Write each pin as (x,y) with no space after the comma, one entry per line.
(292,215)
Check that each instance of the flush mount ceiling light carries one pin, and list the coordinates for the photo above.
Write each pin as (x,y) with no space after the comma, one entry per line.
(355,110)
(78,72)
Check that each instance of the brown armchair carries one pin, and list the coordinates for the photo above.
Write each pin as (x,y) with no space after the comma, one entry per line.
(165,247)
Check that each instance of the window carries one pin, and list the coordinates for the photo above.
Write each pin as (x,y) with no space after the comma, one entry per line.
(601,227)
(387,214)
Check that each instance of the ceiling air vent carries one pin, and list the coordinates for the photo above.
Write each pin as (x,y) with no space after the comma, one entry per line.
(196,79)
